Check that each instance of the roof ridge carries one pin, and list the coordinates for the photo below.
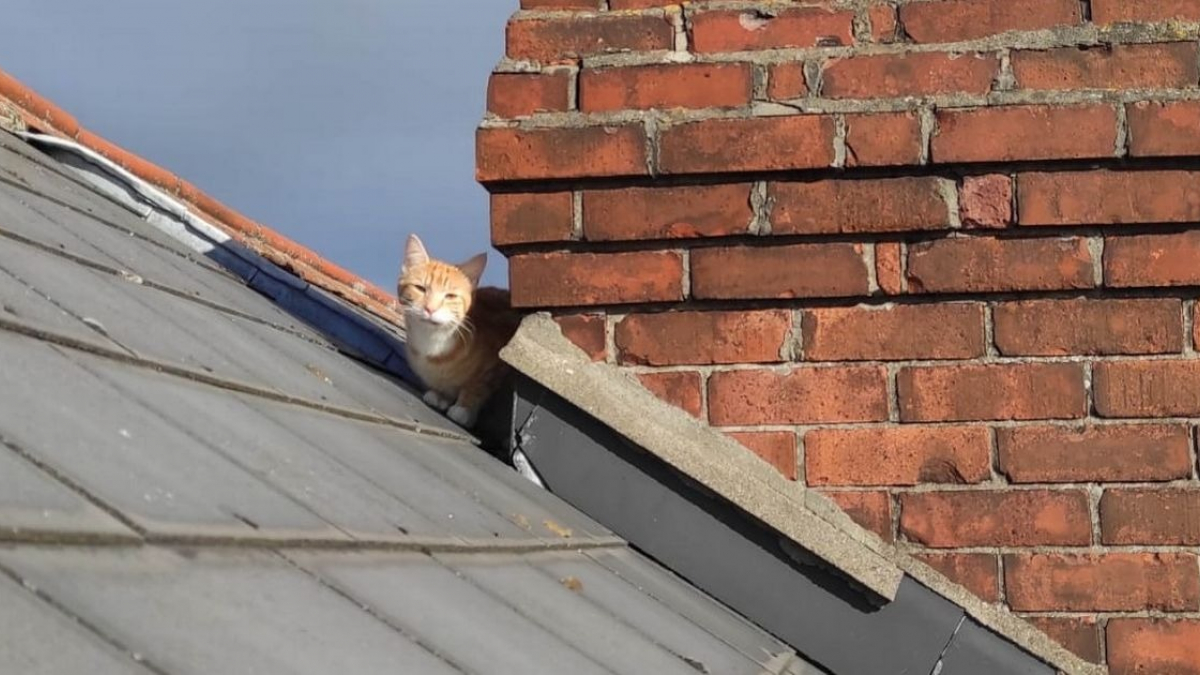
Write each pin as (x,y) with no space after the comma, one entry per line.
(28,110)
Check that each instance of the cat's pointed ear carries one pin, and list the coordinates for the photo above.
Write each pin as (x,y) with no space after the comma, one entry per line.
(473,268)
(414,254)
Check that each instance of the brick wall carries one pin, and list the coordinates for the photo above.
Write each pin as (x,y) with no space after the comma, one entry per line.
(938,259)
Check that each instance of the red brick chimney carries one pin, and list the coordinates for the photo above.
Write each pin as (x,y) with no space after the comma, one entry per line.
(938,259)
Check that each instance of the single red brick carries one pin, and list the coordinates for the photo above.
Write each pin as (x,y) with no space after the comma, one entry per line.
(1147,66)
(1124,453)
(559,4)
(680,389)
(954,21)
(1169,517)
(883,139)
(894,333)
(796,271)
(982,265)
(1024,132)
(1164,129)
(786,80)
(521,94)
(871,510)
(640,4)
(909,74)
(996,518)
(976,572)
(1152,260)
(528,154)
(897,456)
(758,144)
(703,338)
(1109,582)
(1147,388)
(986,201)
(1108,197)
(531,217)
(758,29)
(680,85)
(580,279)
(1079,634)
(883,23)
(852,206)
(1140,646)
(888,256)
(543,39)
(587,331)
(798,396)
(667,212)
(1089,327)
(1010,391)
(777,448)
(1130,11)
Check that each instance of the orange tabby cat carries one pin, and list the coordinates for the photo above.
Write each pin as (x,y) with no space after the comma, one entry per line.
(455,330)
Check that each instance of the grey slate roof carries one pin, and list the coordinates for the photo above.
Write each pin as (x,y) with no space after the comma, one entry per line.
(196,478)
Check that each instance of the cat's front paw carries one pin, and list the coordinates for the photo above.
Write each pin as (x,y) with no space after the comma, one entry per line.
(464,416)
(436,400)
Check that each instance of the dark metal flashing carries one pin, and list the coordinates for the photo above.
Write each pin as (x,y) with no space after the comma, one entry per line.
(742,562)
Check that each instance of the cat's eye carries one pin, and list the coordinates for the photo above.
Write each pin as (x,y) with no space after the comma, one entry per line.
(452,296)
(419,288)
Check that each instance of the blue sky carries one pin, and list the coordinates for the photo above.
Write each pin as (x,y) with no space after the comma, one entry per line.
(343,124)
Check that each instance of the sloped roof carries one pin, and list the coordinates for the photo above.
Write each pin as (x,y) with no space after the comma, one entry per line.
(195,480)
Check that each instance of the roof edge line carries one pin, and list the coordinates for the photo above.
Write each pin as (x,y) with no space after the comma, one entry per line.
(37,113)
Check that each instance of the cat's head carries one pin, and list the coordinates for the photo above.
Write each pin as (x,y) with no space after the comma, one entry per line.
(433,291)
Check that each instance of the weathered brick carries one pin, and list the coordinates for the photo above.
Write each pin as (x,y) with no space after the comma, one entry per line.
(1024,132)
(981,265)
(667,212)
(579,279)
(531,217)
(640,4)
(777,448)
(871,510)
(752,30)
(680,85)
(680,389)
(527,154)
(909,74)
(704,338)
(1131,11)
(1147,388)
(587,331)
(1152,260)
(1013,391)
(1106,453)
(796,271)
(1141,66)
(986,201)
(521,94)
(952,21)
(798,396)
(786,80)
(1141,646)
(995,518)
(1109,582)
(1108,197)
(883,139)
(888,257)
(883,23)
(1080,634)
(894,333)
(559,4)
(897,456)
(758,144)
(976,572)
(1164,129)
(557,39)
(853,206)
(1168,517)
(1089,327)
